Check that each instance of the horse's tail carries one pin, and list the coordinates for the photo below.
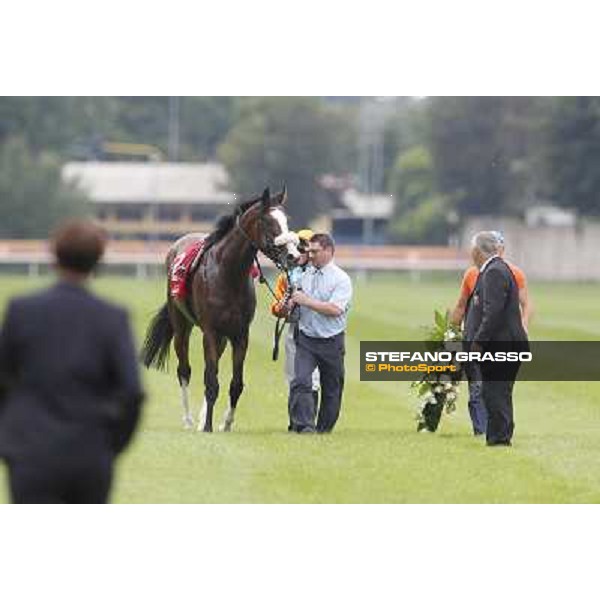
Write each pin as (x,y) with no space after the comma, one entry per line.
(155,350)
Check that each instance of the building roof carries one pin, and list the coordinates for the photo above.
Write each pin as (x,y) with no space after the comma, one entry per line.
(378,206)
(550,216)
(144,182)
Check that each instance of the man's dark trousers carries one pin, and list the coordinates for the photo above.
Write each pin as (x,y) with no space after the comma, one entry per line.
(496,393)
(328,355)
(477,410)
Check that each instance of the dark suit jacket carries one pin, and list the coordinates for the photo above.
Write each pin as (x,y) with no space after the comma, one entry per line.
(69,379)
(493,314)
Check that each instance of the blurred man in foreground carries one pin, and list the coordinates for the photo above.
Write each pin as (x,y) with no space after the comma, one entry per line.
(70,391)
(477,410)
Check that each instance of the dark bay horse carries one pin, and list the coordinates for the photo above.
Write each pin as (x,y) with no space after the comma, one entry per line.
(222,300)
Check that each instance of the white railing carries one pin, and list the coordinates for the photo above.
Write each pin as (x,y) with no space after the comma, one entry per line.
(145,256)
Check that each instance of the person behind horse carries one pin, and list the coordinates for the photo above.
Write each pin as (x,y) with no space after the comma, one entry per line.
(279,309)
(70,391)
(324,302)
(477,410)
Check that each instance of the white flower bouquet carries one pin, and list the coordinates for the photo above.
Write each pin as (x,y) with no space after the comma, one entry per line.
(438,392)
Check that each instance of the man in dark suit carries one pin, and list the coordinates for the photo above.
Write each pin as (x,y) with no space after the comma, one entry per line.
(493,323)
(70,391)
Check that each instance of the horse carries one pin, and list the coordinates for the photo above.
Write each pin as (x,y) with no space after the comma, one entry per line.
(222,300)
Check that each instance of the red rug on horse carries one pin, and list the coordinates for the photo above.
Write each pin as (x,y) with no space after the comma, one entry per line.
(182,266)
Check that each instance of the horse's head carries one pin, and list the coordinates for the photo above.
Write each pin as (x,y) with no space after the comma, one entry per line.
(266,226)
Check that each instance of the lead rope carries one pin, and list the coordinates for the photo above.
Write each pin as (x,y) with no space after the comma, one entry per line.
(281,321)
(263,279)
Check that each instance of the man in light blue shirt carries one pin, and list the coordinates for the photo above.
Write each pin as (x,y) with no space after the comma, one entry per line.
(323,296)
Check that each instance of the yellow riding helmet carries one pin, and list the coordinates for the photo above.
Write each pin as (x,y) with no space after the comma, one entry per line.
(305,234)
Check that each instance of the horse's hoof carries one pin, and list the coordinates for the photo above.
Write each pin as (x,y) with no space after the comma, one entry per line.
(188,424)
(227,426)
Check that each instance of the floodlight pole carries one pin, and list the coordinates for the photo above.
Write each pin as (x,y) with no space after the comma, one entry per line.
(174,109)
(365,165)
(370,152)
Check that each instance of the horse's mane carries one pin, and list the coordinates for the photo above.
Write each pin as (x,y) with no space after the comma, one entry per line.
(225,223)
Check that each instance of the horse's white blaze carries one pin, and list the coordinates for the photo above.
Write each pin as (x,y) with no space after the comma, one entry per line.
(286,237)
(188,420)
(280,217)
(228,418)
(202,416)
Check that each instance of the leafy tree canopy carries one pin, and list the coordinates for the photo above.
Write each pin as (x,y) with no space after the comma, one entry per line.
(291,140)
(572,153)
(33,197)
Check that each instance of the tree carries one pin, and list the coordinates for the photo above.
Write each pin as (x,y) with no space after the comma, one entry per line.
(33,197)
(470,164)
(205,123)
(484,152)
(288,140)
(421,214)
(404,128)
(56,123)
(573,153)
(142,120)
(73,126)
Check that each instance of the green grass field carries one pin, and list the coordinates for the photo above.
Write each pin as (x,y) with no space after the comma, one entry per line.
(374,455)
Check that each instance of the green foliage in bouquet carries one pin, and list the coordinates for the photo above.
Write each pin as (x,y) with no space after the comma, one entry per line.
(438,391)
(442,330)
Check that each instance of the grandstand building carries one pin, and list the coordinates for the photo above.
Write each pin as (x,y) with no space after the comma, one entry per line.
(153,200)
(361,219)
(354,217)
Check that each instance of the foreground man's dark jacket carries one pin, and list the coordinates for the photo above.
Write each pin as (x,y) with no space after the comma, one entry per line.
(70,389)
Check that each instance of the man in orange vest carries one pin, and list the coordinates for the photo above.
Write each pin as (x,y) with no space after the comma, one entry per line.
(476,408)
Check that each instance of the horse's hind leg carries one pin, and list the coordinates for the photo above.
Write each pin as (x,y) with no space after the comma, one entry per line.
(214,345)
(181,342)
(239,349)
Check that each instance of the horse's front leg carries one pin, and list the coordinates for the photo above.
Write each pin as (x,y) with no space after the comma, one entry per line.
(213,348)
(239,349)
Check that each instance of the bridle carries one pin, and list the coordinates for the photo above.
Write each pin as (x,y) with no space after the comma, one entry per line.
(270,249)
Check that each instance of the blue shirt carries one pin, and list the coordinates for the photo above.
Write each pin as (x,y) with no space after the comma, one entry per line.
(296,275)
(328,284)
